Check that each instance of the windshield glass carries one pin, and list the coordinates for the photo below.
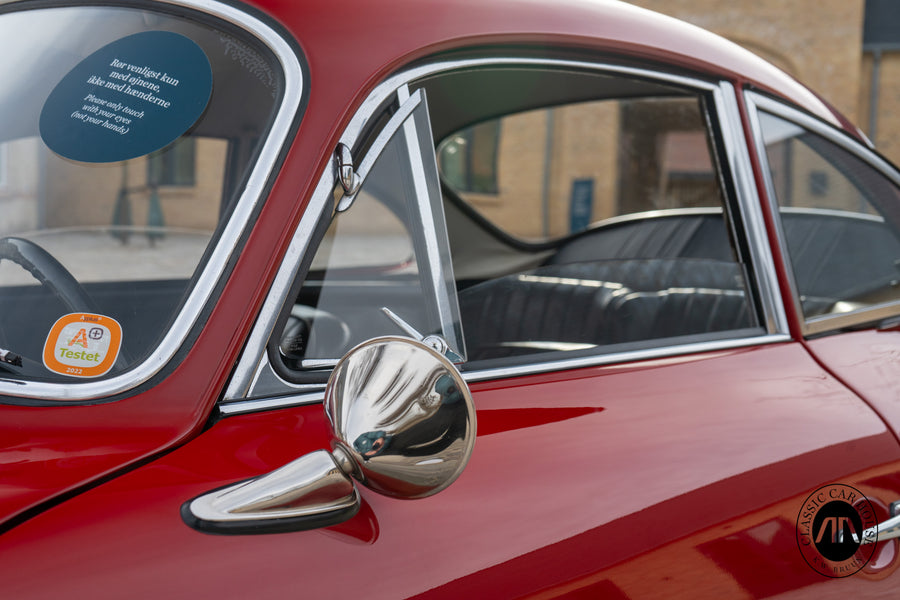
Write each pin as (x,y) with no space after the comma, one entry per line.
(126,137)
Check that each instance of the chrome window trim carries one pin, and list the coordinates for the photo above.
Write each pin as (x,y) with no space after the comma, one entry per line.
(263,169)
(240,407)
(653,214)
(426,182)
(255,380)
(831,212)
(820,323)
(738,157)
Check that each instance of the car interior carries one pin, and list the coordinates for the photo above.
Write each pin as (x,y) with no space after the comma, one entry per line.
(665,271)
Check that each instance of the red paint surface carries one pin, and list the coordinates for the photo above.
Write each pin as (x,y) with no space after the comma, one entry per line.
(678,476)
(869,363)
(623,478)
(47,452)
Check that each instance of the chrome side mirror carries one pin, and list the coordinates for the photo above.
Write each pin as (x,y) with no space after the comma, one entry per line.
(403,424)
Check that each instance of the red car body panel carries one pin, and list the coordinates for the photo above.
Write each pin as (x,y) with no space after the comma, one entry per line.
(51,451)
(90,495)
(868,362)
(579,495)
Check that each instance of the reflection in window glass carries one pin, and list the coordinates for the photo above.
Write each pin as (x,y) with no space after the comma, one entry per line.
(175,166)
(370,235)
(560,170)
(839,219)
(468,159)
(615,218)
(133,229)
(387,250)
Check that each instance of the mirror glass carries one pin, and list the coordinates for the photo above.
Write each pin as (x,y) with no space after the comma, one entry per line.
(403,414)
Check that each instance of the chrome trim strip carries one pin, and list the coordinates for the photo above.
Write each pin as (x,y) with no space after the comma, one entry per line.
(215,267)
(869,314)
(819,323)
(751,210)
(256,405)
(227,409)
(621,357)
(830,212)
(254,360)
(381,93)
(698,211)
(399,119)
(427,185)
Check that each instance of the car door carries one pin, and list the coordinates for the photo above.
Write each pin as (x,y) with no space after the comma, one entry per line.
(838,207)
(680,442)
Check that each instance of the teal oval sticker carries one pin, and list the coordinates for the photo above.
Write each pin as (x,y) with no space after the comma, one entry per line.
(127,99)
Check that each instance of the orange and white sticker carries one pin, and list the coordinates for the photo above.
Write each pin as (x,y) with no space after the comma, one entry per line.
(83,345)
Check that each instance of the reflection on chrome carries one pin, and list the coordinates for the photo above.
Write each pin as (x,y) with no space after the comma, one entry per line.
(403,424)
(306,487)
(403,415)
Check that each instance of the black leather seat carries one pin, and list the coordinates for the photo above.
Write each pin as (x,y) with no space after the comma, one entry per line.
(602,303)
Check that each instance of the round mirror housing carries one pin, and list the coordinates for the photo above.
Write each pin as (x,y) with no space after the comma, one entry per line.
(402,417)
(403,424)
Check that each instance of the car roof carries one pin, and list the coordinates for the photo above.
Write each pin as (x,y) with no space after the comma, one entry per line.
(395,32)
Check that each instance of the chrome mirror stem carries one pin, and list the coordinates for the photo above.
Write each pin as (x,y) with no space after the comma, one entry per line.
(403,424)
(313,489)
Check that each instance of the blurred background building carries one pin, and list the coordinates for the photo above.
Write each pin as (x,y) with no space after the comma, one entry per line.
(537,175)
(554,171)
(848,51)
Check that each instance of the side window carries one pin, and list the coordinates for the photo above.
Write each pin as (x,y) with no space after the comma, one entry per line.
(385,248)
(599,223)
(560,170)
(567,213)
(86,161)
(839,217)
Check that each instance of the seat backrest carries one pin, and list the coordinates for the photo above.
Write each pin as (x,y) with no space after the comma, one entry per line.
(601,303)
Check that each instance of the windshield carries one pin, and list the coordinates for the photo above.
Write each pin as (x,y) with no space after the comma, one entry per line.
(126,137)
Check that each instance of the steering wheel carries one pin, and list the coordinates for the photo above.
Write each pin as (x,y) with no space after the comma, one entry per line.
(48,271)
(52,275)
(328,339)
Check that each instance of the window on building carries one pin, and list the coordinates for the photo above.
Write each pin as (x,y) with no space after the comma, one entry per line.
(882,24)
(174,165)
(468,159)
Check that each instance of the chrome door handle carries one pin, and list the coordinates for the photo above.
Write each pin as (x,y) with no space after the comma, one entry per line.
(886,530)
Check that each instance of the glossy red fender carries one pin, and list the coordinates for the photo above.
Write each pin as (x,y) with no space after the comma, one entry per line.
(680,476)
(868,362)
(51,452)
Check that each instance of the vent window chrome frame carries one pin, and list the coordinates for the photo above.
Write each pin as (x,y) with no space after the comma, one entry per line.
(256,386)
(819,324)
(265,167)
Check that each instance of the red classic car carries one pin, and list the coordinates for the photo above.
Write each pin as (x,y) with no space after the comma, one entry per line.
(442,299)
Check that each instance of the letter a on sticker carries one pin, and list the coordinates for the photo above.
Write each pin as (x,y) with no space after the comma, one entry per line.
(80,338)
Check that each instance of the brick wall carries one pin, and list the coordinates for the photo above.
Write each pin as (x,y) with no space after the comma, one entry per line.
(819,42)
